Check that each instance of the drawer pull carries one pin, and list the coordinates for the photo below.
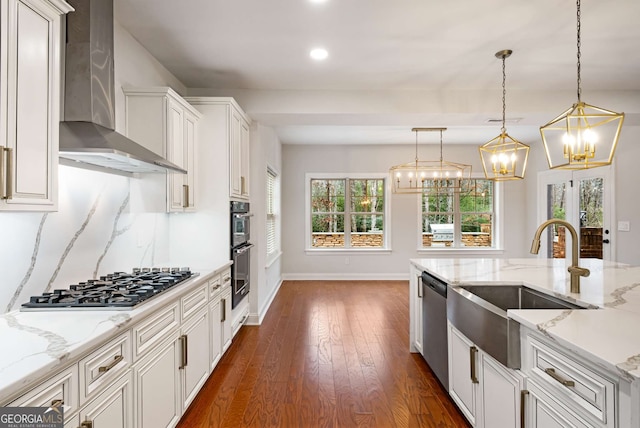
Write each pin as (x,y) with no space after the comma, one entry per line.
(116,360)
(552,372)
(57,403)
(86,424)
(472,357)
(226,279)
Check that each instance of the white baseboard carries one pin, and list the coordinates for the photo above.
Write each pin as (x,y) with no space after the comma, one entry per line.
(346,276)
(256,319)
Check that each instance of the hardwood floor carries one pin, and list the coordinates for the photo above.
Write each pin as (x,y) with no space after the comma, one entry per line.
(328,354)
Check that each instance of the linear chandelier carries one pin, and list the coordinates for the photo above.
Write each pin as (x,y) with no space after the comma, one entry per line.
(504,158)
(433,176)
(583,136)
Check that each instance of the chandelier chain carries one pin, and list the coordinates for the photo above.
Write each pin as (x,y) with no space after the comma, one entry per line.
(578,44)
(441,148)
(504,94)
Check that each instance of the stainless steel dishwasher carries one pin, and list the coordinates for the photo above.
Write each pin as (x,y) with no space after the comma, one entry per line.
(434,327)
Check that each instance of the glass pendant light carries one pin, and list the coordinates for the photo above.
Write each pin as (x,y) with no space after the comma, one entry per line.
(420,176)
(583,136)
(504,158)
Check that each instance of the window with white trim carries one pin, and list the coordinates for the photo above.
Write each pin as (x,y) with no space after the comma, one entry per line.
(272,246)
(459,218)
(347,212)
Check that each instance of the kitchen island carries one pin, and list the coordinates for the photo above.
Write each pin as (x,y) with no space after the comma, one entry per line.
(607,337)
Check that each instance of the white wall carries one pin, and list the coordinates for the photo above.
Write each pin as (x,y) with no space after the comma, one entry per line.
(298,160)
(266,152)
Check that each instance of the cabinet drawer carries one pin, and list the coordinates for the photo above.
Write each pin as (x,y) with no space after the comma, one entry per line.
(152,330)
(214,286)
(225,277)
(578,385)
(63,387)
(194,302)
(104,365)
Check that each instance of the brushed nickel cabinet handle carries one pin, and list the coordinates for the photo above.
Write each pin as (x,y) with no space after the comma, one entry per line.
(420,287)
(184,352)
(473,351)
(223,302)
(552,372)
(3,173)
(185,195)
(86,424)
(242,185)
(112,364)
(9,179)
(523,399)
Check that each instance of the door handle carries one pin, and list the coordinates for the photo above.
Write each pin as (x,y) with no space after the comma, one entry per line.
(472,357)
(223,303)
(183,348)
(185,195)
(419,287)
(523,399)
(6,173)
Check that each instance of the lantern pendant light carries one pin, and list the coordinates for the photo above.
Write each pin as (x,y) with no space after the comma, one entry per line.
(583,136)
(504,158)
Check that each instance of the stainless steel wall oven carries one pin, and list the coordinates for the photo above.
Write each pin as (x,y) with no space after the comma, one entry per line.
(240,251)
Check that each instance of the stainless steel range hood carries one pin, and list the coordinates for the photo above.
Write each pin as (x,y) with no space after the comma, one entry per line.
(87,136)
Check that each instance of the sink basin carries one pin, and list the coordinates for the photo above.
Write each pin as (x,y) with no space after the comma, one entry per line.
(480,313)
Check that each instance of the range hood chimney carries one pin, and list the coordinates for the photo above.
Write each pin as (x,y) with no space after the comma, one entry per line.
(87,136)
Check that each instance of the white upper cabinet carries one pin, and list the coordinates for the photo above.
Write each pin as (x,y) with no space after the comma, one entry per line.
(231,128)
(30,46)
(163,122)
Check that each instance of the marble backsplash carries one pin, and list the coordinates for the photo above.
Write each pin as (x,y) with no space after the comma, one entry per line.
(94,232)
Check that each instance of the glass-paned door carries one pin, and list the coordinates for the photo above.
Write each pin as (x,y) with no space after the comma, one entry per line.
(584,199)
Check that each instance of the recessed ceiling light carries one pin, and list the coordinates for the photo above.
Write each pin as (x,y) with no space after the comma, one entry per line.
(319,54)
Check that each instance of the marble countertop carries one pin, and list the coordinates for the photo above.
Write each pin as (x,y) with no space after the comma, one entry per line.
(608,336)
(38,343)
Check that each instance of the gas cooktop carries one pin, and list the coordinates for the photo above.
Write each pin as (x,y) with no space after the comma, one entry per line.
(115,291)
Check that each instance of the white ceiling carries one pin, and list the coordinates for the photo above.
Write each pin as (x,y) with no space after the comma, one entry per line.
(394,65)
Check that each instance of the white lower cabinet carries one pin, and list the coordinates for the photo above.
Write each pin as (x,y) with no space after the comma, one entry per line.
(415,309)
(157,385)
(195,365)
(567,390)
(111,408)
(487,393)
(225,318)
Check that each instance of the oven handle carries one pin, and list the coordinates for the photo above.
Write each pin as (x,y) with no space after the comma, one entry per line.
(242,250)
(245,215)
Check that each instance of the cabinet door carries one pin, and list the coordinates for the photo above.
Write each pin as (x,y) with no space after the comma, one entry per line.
(416,312)
(195,370)
(190,164)
(463,363)
(500,394)
(175,147)
(31,60)
(215,332)
(225,319)
(244,159)
(157,381)
(235,155)
(112,408)
(543,411)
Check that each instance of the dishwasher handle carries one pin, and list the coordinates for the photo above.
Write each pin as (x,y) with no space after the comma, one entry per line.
(434,284)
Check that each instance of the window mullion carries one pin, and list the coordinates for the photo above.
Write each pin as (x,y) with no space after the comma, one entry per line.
(347,213)
(457,220)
